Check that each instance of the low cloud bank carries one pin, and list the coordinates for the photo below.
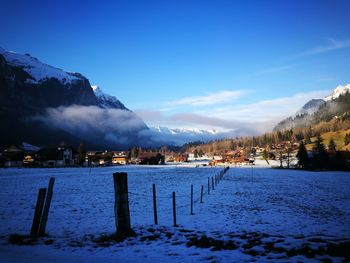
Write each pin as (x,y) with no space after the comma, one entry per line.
(113,128)
(94,124)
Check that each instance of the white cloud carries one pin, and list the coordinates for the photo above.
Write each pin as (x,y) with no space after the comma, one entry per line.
(94,123)
(269,110)
(252,118)
(333,45)
(274,70)
(210,98)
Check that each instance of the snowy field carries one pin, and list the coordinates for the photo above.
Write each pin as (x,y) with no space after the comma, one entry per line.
(254,214)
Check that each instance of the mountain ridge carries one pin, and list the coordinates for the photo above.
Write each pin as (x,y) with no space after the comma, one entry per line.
(37,99)
(335,105)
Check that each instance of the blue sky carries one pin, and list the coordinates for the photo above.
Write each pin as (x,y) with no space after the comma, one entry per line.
(206,64)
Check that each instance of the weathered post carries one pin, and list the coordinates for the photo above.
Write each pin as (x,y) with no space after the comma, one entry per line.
(155,205)
(121,205)
(202,194)
(208,186)
(174,210)
(38,212)
(191,199)
(47,205)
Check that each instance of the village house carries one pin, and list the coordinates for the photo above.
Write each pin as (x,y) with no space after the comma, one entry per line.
(29,160)
(55,157)
(13,157)
(180,158)
(120,158)
(150,158)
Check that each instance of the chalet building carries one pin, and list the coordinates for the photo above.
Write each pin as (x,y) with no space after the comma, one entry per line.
(191,156)
(13,157)
(180,158)
(150,158)
(29,160)
(91,158)
(120,158)
(55,157)
(172,157)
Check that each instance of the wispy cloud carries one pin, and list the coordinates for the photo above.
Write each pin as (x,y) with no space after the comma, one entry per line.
(269,110)
(274,70)
(333,45)
(210,99)
(253,118)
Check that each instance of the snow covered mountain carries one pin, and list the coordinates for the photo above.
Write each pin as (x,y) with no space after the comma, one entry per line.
(175,136)
(38,70)
(338,91)
(107,101)
(334,105)
(41,104)
(174,131)
(311,107)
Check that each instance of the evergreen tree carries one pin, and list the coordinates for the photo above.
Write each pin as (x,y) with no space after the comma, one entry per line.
(134,152)
(81,155)
(302,156)
(265,155)
(320,159)
(308,135)
(347,139)
(200,153)
(331,145)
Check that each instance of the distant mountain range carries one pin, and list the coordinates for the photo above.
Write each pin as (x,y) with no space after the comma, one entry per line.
(335,105)
(175,136)
(42,105)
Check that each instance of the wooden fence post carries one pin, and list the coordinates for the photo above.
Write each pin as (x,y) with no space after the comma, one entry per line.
(155,205)
(208,186)
(38,212)
(121,205)
(202,194)
(174,209)
(191,199)
(47,205)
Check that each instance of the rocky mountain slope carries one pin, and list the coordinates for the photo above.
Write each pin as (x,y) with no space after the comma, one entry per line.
(40,104)
(336,105)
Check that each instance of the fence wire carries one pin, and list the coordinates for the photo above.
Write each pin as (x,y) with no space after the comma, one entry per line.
(78,209)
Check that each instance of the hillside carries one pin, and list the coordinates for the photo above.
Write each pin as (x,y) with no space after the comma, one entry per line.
(338,137)
(43,105)
(336,105)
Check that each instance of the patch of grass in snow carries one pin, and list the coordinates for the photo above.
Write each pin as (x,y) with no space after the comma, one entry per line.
(22,240)
(209,242)
(108,240)
(339,250)
(26,240)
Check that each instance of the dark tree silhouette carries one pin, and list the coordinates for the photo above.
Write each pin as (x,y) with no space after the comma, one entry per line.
(347,139)
(81,154)
(331,145)
(303,159)
(320,156)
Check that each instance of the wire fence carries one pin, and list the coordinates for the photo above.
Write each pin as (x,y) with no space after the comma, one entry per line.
(70,207)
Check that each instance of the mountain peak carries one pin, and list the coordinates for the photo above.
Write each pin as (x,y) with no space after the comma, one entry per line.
(311,106)
(37,69)
(338,91)
(107,101)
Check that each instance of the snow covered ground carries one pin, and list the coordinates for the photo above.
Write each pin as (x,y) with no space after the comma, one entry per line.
(253,214)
